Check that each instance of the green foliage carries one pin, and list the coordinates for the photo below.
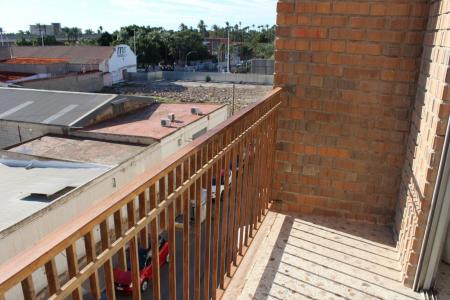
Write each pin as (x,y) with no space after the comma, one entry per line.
(105,39)
(156,45)
(208,78)
(37,41)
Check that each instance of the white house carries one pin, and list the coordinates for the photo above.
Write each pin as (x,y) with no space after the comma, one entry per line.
(122,60)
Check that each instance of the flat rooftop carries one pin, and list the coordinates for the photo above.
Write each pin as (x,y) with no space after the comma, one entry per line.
(147,122)
(49,107)
(79,149)
(28,185)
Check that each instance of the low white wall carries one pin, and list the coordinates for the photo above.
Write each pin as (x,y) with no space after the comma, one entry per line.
(201,76)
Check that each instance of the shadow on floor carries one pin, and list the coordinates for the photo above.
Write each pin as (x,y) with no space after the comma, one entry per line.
(319,258)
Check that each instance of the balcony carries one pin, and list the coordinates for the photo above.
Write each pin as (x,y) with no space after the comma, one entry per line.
(162,210)
(233,247)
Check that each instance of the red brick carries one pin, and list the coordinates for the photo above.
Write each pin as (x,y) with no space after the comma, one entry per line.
(364,48)
(347,34)
(310,32)
(351,8)
(314,7)
(367,22)
(385,36)
(285,7)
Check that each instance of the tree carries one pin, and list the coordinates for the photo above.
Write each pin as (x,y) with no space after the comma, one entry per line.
(202,28)
(88,31)
(105,39)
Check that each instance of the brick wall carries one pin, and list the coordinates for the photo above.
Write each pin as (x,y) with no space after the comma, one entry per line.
(429,122)
(351,69)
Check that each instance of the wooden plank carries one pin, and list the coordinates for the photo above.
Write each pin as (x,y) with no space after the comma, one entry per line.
(29,293)
(52,277)
(186,219)
(107,267)
(118,229)
(154,233)
(90,257)
(143,209)
(73,269)
(206,277)
(172,241)
(197,228)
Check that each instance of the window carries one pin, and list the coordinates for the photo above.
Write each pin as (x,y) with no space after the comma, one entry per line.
(121,51)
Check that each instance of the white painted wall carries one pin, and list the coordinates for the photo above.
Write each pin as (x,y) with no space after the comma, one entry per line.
(24,234)
(123,58)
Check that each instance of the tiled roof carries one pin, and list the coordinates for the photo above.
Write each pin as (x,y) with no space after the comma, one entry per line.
(74,54)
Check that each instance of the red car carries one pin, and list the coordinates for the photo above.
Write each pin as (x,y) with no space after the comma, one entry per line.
(123,280)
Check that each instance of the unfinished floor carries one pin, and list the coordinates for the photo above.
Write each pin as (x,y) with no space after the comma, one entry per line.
(318,258)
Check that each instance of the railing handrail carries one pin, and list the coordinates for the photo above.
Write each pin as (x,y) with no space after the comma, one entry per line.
(19,267)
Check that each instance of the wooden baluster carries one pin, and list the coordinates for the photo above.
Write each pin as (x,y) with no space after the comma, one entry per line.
(259,169)
(252,183)
(225,213)
(249,187)
(118,228)
(162,196)
(198,227)
(172,239)
(29,293)
(154,237)
(178,182)
(52,277)
(217,168)
(185,198)
(272,149)
(134,252)
(143,209)
(210,154)
(107,266)
(242,191)
(237,228)
(269,163)
(73,268)
(232,211)
(91,256)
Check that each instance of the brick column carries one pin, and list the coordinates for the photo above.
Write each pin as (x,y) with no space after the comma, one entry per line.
(350,68)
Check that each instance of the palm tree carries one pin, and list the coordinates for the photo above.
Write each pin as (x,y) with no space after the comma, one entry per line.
(100,29)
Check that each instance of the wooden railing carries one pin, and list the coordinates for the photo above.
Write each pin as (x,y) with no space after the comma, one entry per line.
(108,235)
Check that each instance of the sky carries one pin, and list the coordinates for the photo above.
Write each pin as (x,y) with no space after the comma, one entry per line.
(112,14)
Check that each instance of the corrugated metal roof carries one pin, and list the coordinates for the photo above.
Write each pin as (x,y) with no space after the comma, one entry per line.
(74,54)
(48,107)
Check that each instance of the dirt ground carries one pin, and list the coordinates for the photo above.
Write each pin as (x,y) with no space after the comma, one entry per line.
(200,92)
